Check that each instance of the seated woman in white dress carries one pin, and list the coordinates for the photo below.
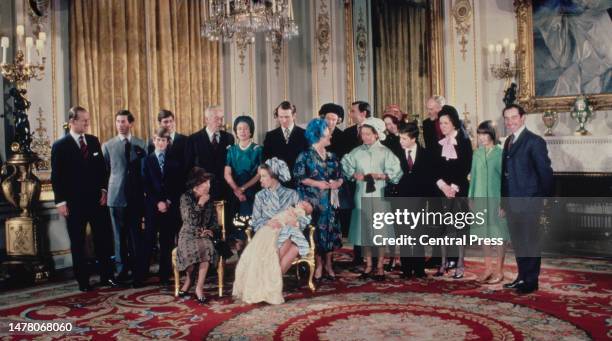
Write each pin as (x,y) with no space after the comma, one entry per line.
(259,277)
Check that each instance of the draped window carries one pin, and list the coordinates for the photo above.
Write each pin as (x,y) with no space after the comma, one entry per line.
(402,59)
(142,55)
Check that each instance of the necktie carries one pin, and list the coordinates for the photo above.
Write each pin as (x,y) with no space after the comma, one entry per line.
(409,159)
(83,146)
(161,158)
(287,133)
(510,141)
(214,141)
(128,148)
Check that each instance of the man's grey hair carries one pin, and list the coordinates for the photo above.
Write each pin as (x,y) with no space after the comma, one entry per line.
(209,111)
(439,99)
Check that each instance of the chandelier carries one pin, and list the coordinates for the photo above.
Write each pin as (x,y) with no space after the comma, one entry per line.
(240,20)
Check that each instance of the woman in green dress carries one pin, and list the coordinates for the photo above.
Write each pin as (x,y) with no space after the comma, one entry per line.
(241,164)
(371,166)
(485,192)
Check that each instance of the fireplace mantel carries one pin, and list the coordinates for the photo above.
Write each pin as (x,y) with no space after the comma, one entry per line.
(580,154)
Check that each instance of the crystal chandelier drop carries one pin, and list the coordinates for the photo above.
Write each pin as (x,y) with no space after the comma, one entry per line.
(240,20)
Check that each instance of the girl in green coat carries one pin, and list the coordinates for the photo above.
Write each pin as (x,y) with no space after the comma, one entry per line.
(485,190)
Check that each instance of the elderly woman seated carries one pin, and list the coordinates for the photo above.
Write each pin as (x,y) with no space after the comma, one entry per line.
(278,239)
(195,242)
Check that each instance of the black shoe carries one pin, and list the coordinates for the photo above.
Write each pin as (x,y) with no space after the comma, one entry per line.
(201,300)
(138,285)
(123,277)
(524,289)
(513,285)
(404,275)
(108,283)
(421,274)
(364,275)
(433,263)
(329,277)
(379,278)
(388,267)
(86,288)
(183,294)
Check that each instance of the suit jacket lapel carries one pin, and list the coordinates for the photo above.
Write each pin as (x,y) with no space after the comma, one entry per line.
(154,164)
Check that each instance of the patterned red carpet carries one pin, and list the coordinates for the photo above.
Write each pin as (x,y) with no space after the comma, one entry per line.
(574,303)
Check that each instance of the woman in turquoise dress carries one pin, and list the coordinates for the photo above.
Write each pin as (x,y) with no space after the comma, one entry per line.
(242,161)
(318,175)
(371,165)
(485,193)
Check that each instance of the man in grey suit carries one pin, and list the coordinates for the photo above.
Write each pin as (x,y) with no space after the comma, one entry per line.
(123,154)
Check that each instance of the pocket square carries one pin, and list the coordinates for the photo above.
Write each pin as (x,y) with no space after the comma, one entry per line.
(95,154)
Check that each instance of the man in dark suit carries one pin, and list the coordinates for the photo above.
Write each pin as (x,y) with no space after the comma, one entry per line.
(417,183)
(163,187)
(207,149)
(122,155)
(526,173)
(431,125)
(79,181)
(288,140)
(178,142)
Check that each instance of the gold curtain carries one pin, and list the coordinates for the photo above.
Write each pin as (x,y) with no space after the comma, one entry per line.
(401,54)
(142,55)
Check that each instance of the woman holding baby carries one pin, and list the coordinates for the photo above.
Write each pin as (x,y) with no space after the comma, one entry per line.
(279,218)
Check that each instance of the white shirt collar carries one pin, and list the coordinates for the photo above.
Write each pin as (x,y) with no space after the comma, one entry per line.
(210,133)
(157,152)
(518,133)
(123,137)
(290,128)
(413,151)
(76,136)
(172,135)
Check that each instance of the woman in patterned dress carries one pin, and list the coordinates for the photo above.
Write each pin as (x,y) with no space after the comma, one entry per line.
(195,245)
(318,175)
(272,199)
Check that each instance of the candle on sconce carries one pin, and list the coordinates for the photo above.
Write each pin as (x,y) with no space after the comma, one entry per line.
(4,43)
(273,6)
(512,47)
(228,7)
(491,48)
(20,31)
(42,36)
(28,43)
(290,9)
(39,46)
(506,42)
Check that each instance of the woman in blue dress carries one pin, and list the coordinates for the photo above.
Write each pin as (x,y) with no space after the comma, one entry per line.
(319,177)
(273,199)
(242,161)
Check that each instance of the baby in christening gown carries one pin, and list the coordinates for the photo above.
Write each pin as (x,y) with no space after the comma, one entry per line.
(258,273)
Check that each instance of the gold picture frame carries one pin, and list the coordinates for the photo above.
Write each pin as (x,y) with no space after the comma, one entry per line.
(525,70)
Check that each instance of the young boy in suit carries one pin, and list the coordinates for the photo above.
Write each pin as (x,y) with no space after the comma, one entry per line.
(162,185)
(416,183)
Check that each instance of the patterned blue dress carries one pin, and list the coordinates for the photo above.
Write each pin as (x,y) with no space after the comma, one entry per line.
(269,202)
(310,165)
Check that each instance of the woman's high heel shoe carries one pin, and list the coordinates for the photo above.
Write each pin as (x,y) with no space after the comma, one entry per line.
(183,294)
(458,274)
(201,300)
(441,272)
(365,275)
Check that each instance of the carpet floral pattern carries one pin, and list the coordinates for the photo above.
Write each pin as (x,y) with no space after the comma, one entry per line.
(574,303)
